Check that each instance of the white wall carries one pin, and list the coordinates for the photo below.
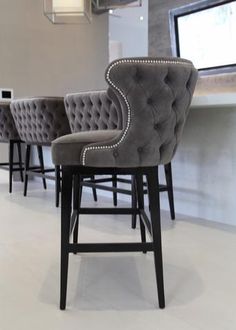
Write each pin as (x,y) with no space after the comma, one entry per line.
(126,27)
(39,58)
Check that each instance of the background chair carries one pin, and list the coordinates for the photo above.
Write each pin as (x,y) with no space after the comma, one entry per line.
(9,134)
(40,120)
(155,94)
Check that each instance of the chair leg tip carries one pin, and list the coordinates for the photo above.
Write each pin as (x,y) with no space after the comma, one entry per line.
(162,304)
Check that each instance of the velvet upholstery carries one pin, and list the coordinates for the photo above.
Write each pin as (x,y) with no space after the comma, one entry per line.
(40,120)
(7,126)
(154,95)
(92,111)
(71,145)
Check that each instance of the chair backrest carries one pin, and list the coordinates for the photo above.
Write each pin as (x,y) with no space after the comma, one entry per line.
(40,120)
(88,111)
(155,95)
(7,126)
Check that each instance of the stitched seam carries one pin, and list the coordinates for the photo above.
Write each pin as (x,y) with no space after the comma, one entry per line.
(86,149)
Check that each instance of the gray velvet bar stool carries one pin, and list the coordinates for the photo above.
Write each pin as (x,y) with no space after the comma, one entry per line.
(9,134)
(155,95)
(40,120)
(101,110)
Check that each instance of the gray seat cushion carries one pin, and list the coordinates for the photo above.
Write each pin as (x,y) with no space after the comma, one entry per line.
(67,149)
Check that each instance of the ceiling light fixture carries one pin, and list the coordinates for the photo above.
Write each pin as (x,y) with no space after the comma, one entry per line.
(68,11)
(116,4)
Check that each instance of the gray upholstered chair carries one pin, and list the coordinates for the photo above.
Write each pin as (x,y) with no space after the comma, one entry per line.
(101,110)
(40,120)
(155,94)
(9,134)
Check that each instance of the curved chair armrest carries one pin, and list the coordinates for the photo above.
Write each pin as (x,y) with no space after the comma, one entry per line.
(93,110)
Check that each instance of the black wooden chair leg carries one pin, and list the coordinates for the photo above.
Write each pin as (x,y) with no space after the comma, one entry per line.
(134,202)
(27,163)
(169,183)
(58,185)
(41,162)
(11,160)
(140,194)
(77,196)
(154,200)
(65,232)
(95,197)
(114,185)
(20,161)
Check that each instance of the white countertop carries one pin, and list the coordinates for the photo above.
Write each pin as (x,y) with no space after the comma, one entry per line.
(214,100)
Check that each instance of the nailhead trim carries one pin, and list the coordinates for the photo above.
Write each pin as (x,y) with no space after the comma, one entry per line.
(125,99)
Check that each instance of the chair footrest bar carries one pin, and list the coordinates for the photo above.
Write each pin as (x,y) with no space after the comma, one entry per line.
(73,220)
(41,175)
(110,247)
(108,210)
(98,180)
(93,184)
(7,164)
(146,221)
(7,168)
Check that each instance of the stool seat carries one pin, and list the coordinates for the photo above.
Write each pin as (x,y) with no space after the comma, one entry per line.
(68,149)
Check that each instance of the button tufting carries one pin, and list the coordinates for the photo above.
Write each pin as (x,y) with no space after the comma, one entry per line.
(176,129)
(149,101)
(140,149)
(166,79)
(115,153)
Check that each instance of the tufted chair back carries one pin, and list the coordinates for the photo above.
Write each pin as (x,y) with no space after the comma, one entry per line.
(93,111)
(7,126)
(155,95)
(40,120)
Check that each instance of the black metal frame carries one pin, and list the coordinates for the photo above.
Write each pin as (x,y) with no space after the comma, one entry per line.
(71,209)
(168,187)
(11,165)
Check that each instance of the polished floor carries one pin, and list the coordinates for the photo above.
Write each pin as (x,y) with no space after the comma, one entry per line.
(111,291)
